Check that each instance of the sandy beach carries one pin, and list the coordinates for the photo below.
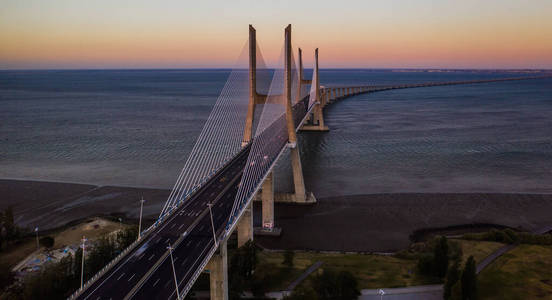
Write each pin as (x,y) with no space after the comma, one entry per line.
(374,222)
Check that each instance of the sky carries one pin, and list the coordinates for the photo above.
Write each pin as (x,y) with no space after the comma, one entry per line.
(74,34)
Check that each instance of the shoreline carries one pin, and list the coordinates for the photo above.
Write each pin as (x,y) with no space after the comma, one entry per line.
(354,223)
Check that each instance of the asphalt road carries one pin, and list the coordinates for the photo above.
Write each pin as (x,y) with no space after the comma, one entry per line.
(146,272)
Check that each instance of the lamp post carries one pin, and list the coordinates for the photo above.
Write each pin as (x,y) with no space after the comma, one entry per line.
(381,293)
(174,272)
(82,262)
(37,244)
(140,222)
(212,224)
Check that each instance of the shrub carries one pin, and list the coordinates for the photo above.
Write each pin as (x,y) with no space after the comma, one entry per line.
(288,258)
(47,241)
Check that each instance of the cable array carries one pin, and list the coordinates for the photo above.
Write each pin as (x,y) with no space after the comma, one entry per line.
(220,139)
(270,139)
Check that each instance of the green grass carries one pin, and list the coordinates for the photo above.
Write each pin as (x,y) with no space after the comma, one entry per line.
(523,273)
(371,271)
(479,249)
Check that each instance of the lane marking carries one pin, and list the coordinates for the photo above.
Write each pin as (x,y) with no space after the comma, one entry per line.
(155,283)
(121,276)
(131,277)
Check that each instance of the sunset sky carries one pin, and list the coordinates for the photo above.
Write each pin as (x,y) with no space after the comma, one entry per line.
(38,34)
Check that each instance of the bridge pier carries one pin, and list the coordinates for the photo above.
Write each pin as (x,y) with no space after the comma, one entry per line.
(267,198)
(245,225)
(218,273)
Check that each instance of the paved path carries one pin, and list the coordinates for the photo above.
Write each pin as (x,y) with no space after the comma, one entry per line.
(489,259)
(422,292)
(311,269)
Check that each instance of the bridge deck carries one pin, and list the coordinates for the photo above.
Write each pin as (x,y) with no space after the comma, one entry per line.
(146,272)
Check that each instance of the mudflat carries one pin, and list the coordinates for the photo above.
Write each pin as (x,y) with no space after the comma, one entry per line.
(54,204)
(384,222)
(373,222)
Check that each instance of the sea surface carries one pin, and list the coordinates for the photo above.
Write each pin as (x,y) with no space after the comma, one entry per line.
(137,127)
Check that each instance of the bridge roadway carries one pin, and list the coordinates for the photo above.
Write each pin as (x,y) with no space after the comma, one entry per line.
(146,272)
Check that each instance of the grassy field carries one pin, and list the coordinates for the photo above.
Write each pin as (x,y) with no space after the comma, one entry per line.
(523,273)
(478,249)
(371,271)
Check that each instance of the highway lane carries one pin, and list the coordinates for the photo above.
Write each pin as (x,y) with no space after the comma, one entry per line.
(122,278)
(146,272)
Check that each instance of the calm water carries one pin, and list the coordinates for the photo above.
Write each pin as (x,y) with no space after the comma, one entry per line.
(137,127)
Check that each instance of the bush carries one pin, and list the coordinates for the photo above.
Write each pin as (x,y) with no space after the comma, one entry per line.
(47,242)
(509,236)
(288,258)
(330,285)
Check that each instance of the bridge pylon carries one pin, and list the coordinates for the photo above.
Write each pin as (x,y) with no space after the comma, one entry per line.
(317,121)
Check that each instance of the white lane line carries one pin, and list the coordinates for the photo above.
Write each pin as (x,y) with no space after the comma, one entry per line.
(151,257)
(155,283)
(121,276)
(194,263)
(121,264)
(180,227)
(172,226)
(131,277)
(184,261)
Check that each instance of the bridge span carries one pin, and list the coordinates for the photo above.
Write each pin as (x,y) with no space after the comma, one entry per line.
(201,214)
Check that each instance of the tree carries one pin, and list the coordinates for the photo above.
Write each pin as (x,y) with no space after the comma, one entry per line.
(6,276)
(240,269)
(47,241)
(348,286)
(330,285)
(453,275)
(126,237)
(8,224)
(288,258)
(425,264)
(469,280)
(440,257)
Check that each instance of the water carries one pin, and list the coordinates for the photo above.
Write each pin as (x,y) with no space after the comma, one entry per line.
(136,128)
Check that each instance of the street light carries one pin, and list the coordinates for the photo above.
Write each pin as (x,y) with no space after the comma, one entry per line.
(174,272)
(36,231)
(140,222)
(212,224)
(82,263)
(381,293)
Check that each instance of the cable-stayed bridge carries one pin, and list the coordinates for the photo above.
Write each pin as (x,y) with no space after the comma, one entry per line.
(255,119)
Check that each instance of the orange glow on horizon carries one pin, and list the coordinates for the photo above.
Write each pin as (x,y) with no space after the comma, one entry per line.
(435,36)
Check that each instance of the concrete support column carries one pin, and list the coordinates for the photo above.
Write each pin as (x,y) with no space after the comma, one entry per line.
(298,182)
(267,196)
(245,226)
(218,274)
